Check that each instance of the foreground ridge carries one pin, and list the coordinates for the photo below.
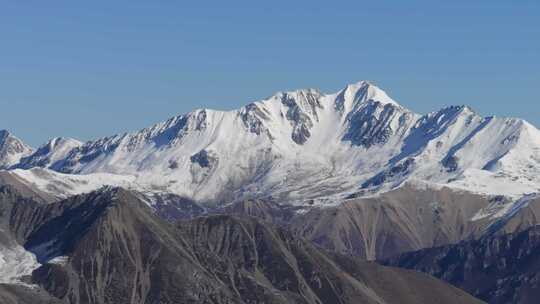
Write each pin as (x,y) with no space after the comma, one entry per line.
(108,247)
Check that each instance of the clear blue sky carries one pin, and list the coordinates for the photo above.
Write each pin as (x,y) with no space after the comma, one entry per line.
(86,69)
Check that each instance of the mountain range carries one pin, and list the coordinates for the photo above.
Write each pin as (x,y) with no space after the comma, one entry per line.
(302,146)
(335,179)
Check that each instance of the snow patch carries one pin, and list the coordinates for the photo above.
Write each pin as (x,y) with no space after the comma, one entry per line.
(64,185)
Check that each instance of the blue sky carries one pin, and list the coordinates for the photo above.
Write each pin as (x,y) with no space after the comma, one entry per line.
(95,68)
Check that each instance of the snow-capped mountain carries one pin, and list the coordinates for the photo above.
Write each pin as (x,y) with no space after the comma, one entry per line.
(307,146)
(12,149)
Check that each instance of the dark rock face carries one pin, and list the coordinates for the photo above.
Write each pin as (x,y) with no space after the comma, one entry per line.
(301,113)
(115,250)
(203,163)
(401,169)
(496,269)
(367,128)
(252,117)
(203,159)
(450,163)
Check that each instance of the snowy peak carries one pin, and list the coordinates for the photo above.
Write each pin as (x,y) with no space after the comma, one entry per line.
(372,118)
(12,149)
(358,111)
(358,94)
(48,154)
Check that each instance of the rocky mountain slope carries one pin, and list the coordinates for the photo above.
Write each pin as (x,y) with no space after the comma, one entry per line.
(16,263)
(108,247)
(498,269)
(405,219)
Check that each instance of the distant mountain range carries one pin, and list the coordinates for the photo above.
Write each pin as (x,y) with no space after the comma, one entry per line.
(353,172)
(305,146)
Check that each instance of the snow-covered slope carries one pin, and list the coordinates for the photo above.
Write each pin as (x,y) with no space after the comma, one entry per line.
(12,149)
(64,185)
(307,146)
(15,263)
(457,147)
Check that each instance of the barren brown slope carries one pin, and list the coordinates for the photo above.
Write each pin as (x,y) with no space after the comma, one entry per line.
(407,219)
(402,220)
(117,251)
(256,258)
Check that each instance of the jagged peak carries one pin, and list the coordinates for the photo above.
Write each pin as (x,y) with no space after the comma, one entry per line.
(362,93)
